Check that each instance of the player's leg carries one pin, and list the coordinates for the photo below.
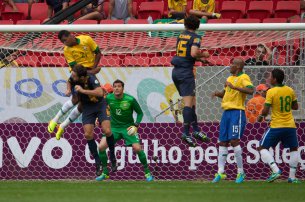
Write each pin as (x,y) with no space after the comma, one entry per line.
(187,91)
(88,128)
(74,114)
(104,159)
(270,139)
(197,133)
(134,141)
(290,140)
(64,109)
(223,148)
(236,130)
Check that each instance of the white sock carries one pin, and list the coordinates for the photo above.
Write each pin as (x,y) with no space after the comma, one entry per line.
(239,159)
(293,163)
(64,109)
(222,158)
(268,159)
(72,117)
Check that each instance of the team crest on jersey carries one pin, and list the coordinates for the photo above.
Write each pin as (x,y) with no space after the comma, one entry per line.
(197,40)
(124,105)
(85,48)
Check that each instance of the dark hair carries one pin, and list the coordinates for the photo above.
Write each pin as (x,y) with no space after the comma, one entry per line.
(118,81)
(279,75)
(63,33)
(191,22)
(80,70)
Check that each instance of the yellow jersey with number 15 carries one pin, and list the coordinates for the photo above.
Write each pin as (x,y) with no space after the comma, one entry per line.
(234,99)
(280,98)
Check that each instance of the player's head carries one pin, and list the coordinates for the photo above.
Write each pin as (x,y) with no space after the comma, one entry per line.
(66,38)
(277,77)
(79,73)
(261,89)
(237,65)
(260,52)
(118,87)
(191,22)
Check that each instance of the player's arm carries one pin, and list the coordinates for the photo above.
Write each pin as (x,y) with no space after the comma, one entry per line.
(69,86)
(94,48)
(219,94)
(267,106)
(139,112)
(98,92)
(294,104)
(248,89)
(195,50)
(110,9)
(130,9)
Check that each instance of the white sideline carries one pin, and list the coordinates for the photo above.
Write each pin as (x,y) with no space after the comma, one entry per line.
(153,27)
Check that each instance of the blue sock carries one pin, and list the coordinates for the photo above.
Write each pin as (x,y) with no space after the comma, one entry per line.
(187,117)
(195,123)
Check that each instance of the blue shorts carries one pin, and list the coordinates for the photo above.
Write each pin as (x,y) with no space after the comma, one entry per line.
(91,112)
(232,125)
(288,137)
(185,84)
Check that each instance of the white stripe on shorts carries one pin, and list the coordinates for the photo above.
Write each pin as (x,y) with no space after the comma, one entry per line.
(265,135)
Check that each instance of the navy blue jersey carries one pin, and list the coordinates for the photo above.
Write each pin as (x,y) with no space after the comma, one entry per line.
(185,41)
(91,83)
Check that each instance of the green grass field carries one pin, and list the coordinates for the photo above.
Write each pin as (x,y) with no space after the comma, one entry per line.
(138,191)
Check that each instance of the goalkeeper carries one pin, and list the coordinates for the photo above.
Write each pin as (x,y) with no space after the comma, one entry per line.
(121,107)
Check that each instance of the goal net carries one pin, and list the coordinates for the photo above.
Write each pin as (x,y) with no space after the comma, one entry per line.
(33,81)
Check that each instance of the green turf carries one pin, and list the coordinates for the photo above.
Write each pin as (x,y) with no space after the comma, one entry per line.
(137,191)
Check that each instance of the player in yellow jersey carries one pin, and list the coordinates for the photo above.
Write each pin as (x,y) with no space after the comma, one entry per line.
(204,9)
(80,50)
(282,100)
(233,121)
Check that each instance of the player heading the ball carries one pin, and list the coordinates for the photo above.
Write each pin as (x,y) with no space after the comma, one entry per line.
(187,52)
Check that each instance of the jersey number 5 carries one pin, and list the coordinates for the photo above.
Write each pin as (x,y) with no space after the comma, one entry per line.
(285,104)
(181,49)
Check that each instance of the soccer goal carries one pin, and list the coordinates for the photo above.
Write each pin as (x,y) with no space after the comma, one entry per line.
(34,73)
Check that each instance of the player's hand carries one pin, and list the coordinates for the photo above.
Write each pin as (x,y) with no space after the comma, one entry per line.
(205,54)
(78,88)
(68,93)
(260,118)
(214,94)
(132,130)
(97,122)
(230,85)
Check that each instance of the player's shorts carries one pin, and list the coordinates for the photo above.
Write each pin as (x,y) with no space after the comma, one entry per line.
(121,133)
(232,125)
(288,137)
(184,84)
(93,111)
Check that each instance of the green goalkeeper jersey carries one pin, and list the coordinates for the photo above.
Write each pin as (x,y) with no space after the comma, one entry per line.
(121,110)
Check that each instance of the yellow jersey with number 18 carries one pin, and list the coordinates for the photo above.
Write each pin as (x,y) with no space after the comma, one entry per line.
(234,99)
(280,98)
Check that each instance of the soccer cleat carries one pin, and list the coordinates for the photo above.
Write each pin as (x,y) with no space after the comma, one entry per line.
(51,126)
(201,136)
(102,177)
(188,140)
(149,177)
(240,178)
(219,177)
(59,133)
(274,176)
(295,181)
